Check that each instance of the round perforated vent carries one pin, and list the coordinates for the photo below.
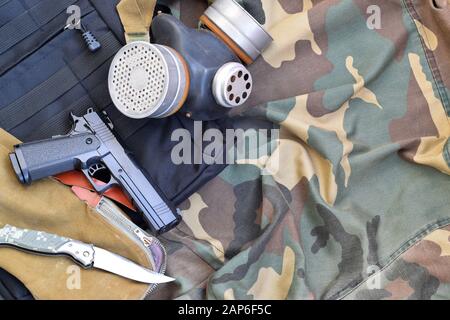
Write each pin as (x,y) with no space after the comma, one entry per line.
(232,85)
(140,80)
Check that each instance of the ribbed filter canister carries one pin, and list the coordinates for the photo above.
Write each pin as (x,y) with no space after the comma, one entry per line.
(148,80)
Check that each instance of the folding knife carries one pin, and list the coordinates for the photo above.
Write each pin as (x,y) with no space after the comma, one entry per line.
(87,255)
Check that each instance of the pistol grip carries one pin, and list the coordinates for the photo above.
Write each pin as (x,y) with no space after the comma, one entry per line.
(40,159)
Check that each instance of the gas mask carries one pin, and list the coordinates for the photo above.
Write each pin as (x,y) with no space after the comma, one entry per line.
(197,72)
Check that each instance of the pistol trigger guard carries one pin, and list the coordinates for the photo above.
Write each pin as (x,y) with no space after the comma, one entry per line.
(112,182)
(101,189)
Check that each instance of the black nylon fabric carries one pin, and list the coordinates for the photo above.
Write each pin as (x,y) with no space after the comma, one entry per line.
(33,60)
(11,288)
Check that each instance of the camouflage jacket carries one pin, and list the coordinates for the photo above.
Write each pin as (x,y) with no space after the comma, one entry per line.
(359,205)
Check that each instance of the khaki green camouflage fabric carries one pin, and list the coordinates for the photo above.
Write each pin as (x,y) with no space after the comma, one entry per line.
(357,205)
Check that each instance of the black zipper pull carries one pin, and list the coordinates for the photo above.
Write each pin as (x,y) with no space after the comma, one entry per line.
(91,41)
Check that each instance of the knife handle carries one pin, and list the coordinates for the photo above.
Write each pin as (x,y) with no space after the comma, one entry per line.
(46,243)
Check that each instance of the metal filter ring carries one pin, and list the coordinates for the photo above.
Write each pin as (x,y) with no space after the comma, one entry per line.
(234,24)
(148,80)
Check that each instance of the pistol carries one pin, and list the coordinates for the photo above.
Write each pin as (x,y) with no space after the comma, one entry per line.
(92,147)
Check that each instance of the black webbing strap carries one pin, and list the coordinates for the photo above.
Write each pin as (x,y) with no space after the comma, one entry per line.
(35,100)
(30,21)
(126,126)
(60,123)
(100,95)
(58,84)
(97,98)
(3,2)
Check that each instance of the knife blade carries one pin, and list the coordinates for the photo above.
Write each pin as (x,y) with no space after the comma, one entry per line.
(87,255)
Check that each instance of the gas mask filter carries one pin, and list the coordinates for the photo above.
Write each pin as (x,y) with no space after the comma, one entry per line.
(195,71)
(237,28)
(148,80)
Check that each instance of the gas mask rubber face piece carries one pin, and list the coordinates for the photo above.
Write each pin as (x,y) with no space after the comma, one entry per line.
(191,70)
